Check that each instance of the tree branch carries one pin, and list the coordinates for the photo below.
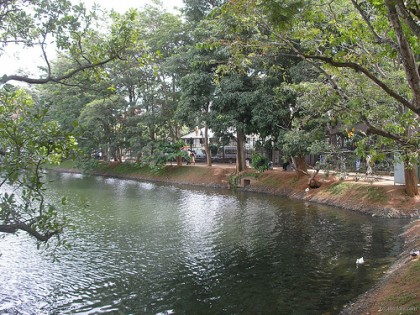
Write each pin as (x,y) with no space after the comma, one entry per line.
(406,53)
(386,134)
(13,228)
(404,12)
(49,78)
(367,20)
(371,76)
(44,53)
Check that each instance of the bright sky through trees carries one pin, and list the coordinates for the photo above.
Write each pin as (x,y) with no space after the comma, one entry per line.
(14,59)
(123,5)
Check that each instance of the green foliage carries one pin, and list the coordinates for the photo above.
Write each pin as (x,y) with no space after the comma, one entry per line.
(27,143)
(157,154)
(197,10)
(235,179)
(300,142)
(340,188)
(102,124)
(353,49)
(87,165)
(259,162)
(372,193)
(73,31)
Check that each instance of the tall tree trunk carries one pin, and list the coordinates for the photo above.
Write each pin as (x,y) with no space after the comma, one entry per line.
(240,146)
(406,53)
(206,145)
(177,136)
(178,161)
(300,165)
(119,155)
(411,180)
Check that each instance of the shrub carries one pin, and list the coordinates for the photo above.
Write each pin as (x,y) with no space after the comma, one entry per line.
(259,162)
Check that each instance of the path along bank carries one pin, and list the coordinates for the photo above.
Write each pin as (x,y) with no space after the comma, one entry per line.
(399,290)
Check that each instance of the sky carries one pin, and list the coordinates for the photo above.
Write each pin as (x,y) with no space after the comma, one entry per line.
(13,61)
(123,5)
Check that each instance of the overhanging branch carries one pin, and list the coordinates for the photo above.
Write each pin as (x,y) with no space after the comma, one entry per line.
(358,68)
(48,79)
(404,11)
(13,228)
(386,134)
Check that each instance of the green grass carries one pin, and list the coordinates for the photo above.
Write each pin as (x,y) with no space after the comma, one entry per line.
(406,300)
(339,188)
(67,164)
(371,193)
(123,168)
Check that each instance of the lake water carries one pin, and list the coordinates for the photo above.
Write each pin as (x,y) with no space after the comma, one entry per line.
(145,248)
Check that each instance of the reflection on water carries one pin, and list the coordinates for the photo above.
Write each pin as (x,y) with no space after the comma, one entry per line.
(143,248)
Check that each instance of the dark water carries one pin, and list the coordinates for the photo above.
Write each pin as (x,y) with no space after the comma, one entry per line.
(143,248)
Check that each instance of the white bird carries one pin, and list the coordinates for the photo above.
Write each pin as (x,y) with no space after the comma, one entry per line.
(360,261)
(415,253)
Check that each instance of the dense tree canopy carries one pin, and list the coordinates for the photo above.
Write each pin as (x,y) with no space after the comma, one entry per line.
(291,72)
(365,50)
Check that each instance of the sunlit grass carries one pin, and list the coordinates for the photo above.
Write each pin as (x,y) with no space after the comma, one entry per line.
(371,193)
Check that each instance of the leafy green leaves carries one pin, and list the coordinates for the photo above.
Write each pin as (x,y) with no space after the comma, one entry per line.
(27,143)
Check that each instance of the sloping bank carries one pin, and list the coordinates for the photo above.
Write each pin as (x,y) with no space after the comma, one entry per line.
(369,198)
(397,293)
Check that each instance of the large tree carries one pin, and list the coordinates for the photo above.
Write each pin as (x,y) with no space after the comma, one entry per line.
(375,42)
(28,139)
(248,78)
(198,86)
(197,10)
(148,76)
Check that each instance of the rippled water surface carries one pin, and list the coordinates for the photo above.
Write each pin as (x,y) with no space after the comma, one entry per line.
(142,248)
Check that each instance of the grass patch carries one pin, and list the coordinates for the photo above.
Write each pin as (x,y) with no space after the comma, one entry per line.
(373,193)
(406,298)
(121,168)
(66,164)
(294,181)
(339,188)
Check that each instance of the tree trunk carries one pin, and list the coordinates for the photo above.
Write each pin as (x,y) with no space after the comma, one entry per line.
(206,145)
(407,56)
(240,155)
(411,179)
(177,137)
(178,160)
(300,165)
(313,182)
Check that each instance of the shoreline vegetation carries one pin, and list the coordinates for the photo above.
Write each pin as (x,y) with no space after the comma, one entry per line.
(397,292)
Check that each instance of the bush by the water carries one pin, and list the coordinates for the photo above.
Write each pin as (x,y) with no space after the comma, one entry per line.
(259,162)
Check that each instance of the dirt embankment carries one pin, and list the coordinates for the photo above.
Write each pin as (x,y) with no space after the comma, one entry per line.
(374,197)
(397,293)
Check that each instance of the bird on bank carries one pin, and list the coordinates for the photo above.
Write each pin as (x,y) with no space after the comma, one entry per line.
(415,253)
(360,261)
